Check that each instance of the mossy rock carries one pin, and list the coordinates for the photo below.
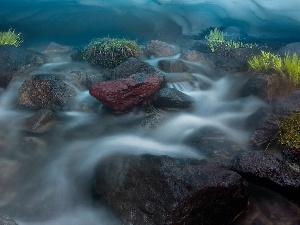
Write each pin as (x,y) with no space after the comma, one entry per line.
(110,52)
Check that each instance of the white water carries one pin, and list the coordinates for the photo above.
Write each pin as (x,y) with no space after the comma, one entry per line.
(52,184)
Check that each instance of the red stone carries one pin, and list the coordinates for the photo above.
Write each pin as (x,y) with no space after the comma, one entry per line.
(124,94)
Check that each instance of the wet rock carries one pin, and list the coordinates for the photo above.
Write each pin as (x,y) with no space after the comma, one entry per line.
(265,132)
(152,120)
(130,67)
(290,48)
(14,60)
(159,49)
(291,155)
(268,207)
(123,95)
(45,91)
(6,220)
(256,86)
(172,66)
(192,56)
(41,122)
(172,99)
(265,169)
(148,189)
(54,48)
(229,63)
(197,45)
(255,118)
(214,143)
(287,106)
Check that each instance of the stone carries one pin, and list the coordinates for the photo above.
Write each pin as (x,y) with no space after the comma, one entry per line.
(147,189)
(123,95)
(214,143)
(172,99)
(192,56)
(288,105)
(290,48)
(6,220)
(41,122)
(265,169)
(14,60)
(256,86)
(172,66)
(45,91)
(291,155)
(54,48)
(129,67)
(159,49)
(152,120)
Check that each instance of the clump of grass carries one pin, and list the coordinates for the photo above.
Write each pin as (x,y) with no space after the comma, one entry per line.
(10,38)
(110,52)
(216,40)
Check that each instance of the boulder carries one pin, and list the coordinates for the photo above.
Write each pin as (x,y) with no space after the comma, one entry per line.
(6,220)
(152,120)
(172,99)
(129,67)
(45,91)
(214,143)
(159,49)
(291,155)
(256,86)
(123,95)
(147,189)
(14,60)
(288,105)
(172,66)
(197,45)
(265,169)
(41,122)
(290,48)
(192,56)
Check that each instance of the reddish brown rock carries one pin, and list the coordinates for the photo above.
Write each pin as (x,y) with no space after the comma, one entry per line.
(159,49)
(124,94)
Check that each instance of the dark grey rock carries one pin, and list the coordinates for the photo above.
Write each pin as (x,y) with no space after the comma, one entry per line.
(152,120)
(146,189)
(172,99)
(287,106)
(265,169)
(14,60)
(129,67)
(291,49)
(214,143)
(45,91)
(172,66)
(41,122)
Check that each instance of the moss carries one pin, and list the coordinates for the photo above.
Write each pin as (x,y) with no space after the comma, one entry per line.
(10,38)
(110,52)
(289,133)
(216,41)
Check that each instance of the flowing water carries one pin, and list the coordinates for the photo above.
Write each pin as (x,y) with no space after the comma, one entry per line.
(46,178)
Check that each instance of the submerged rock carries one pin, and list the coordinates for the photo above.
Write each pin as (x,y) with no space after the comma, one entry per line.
(129,67)
(6,220)
(152,120)
(172,99)
(265,169)
(45,91)
(55,48)
(14,60)
(172,66)
(124,94)
(159,49)
(147,189)
(41,122)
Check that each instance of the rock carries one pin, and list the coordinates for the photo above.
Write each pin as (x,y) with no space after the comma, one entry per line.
(287,106)
(6,220)
(152,120)
(172,99)
(265,132)
(41,122)
(256,86)
(129,67)
(265,169)
(291,49)
(123,95)
(159,49)
(146,189)
(14,60)
(172,66)
(192,56)
(45,91)
(231,64)
(214,143)
(255,118)
(291,155)
(54,48)
(197,45)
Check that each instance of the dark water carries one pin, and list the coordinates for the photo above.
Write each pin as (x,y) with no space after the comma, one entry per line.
(46,178)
